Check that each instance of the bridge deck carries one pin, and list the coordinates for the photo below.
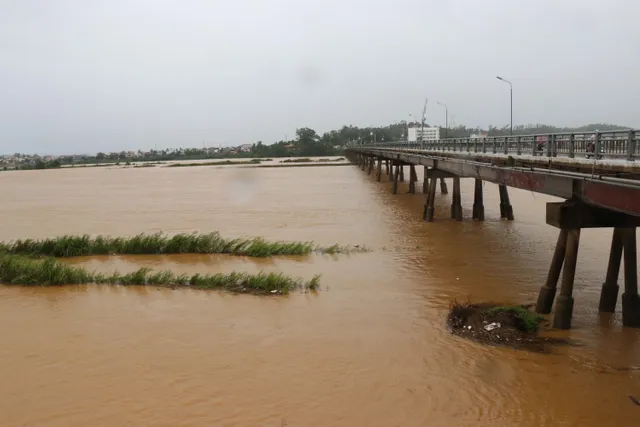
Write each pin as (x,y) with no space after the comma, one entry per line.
(556,176)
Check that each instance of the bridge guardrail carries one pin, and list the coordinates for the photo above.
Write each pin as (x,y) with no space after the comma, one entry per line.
(622,144)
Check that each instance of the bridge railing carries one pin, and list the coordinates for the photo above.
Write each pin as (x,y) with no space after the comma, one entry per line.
(622,144)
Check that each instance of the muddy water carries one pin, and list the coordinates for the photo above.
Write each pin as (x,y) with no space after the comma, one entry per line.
(369,350)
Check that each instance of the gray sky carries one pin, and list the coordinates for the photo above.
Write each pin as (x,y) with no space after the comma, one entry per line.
(90,75)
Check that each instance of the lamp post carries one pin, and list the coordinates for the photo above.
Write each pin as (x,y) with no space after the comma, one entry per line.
(511,101)
(446,118)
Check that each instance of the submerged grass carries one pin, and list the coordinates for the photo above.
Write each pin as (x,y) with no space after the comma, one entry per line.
(21,270)
(158,243)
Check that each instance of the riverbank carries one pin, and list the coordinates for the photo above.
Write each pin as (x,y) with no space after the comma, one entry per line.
(172,163)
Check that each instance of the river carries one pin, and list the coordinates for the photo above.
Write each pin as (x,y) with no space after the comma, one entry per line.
(370,349)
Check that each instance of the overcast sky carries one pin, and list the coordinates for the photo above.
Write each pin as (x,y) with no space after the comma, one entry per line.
(93,75)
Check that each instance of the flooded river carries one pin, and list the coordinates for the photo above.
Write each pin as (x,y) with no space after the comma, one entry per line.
(369,350)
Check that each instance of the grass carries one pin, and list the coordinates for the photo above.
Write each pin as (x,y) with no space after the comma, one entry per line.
(529,319)
(216,163)
(158,243)
(21,270)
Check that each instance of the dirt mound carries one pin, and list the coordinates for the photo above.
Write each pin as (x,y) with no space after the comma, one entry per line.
(495,324)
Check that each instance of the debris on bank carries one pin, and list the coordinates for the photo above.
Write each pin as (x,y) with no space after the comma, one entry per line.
(494,324)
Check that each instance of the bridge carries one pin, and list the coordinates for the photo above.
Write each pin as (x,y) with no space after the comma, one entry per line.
(597,173)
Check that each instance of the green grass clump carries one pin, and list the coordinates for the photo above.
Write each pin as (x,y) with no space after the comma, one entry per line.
(158,243)
(529,320)
(21,270)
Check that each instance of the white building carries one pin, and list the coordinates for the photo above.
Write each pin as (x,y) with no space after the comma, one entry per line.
(416,133)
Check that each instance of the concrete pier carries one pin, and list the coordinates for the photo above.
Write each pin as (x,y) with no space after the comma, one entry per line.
(371,160)
(401,172)
(456,202)
(548,290)
(443,186)
(394,190)
(425,181)
(506,210)
(413,177)
(610,287)
(430,208)
(564,303)
(478,201)
(379,171)
(630,298)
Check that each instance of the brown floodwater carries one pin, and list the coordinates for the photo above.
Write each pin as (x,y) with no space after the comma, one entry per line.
(370,349)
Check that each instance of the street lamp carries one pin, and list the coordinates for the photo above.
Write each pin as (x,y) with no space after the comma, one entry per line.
(511,98)
(446,118)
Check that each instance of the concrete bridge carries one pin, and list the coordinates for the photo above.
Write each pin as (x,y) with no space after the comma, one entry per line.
(597,173)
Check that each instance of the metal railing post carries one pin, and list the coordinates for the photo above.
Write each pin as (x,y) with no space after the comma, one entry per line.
(572,145)
(549,143)
(598,145)
(519,145)
(631,146)
(495,145)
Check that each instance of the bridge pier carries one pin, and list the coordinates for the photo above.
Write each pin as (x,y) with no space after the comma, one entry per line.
(371,161)
(564,303)
(630,298)
(570,217)
(379,171)
(390,169)
(394,189)
(363,162)
(401,172)
(429,207)
(425,181)
(506,210)
(548,290)
(610,287)
(456,202)
(443,186)
(478,201)
(386,165)
(413,177)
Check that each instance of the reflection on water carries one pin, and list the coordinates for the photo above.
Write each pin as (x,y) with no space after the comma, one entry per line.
(370,349)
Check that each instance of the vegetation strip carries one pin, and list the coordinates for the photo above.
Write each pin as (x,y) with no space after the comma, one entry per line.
(21,270)
(158,243)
